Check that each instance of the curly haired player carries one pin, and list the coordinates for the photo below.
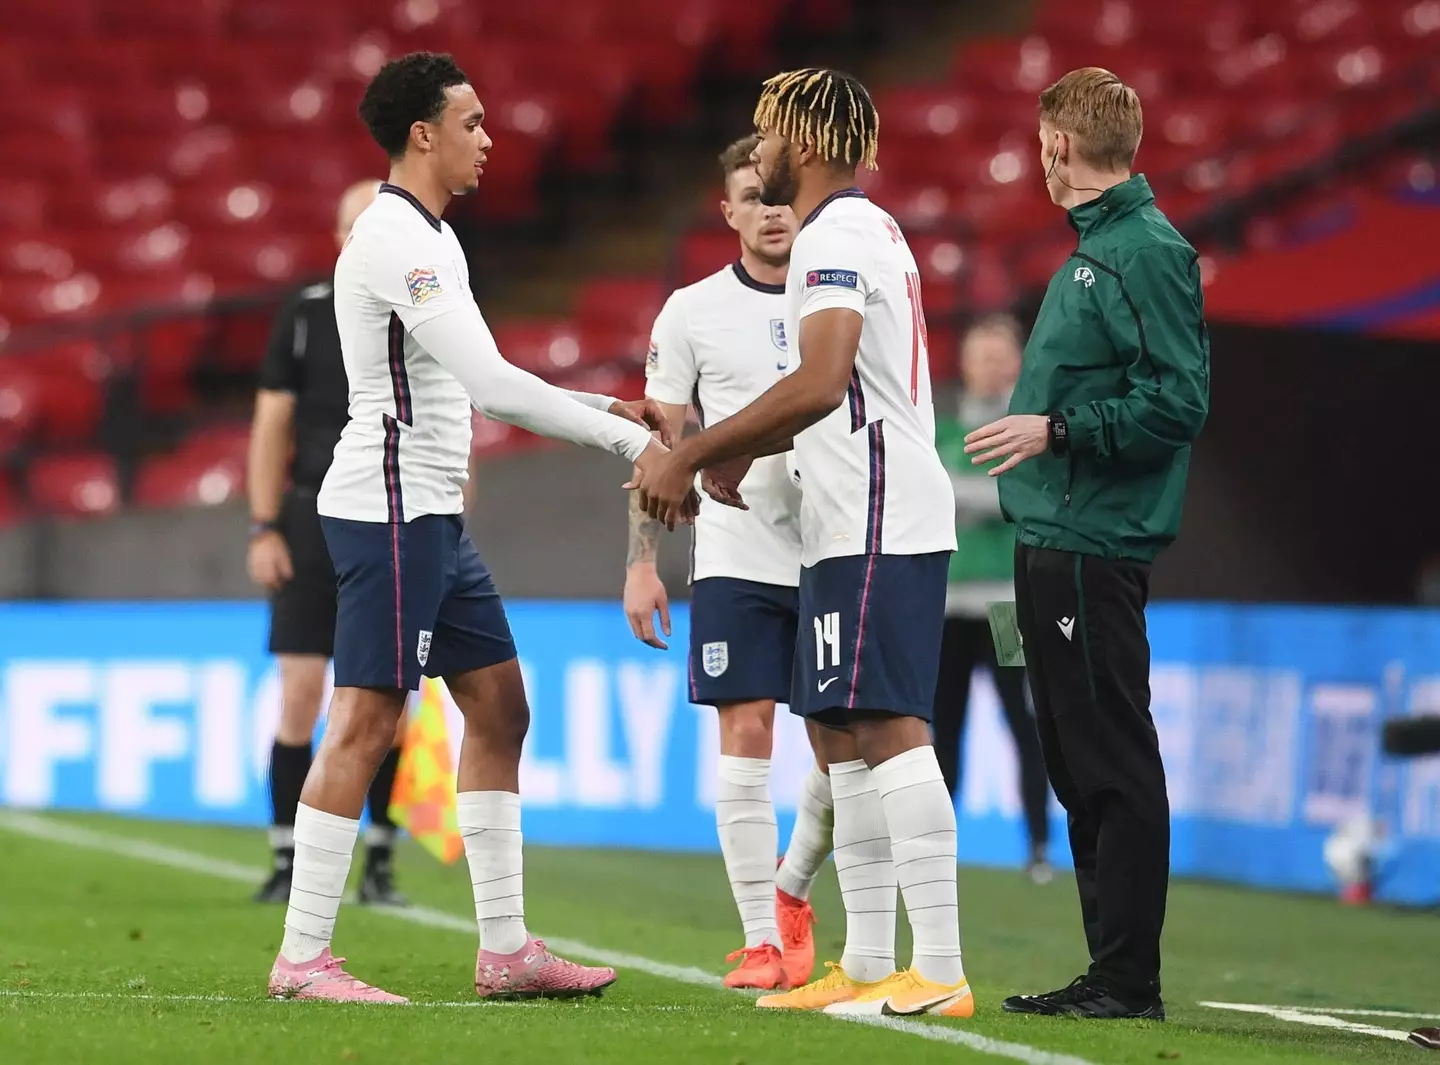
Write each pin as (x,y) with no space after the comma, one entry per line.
(876,536)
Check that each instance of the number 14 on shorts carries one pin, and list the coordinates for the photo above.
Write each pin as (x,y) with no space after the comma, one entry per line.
(827,639)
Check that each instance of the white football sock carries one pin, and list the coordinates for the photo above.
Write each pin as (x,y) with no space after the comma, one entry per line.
(921,818)
(866,873)
(745,818)
(490,826)
(812,838)
(324,845)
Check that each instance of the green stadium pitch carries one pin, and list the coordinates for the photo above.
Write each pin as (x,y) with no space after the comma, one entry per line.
(126,941)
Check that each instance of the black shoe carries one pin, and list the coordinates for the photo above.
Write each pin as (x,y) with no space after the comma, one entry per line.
(1085,998)
(277,888)
(377,886)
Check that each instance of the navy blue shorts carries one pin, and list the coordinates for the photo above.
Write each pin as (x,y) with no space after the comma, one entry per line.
(413,598)
(742,641)
(870,629)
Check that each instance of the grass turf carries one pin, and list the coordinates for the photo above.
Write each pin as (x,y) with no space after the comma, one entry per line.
(94,947)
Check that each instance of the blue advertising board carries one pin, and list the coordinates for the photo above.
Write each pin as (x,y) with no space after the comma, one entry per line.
(1269,722)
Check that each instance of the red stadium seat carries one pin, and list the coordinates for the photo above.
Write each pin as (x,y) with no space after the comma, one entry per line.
(19,402)
(1261,65)
(619,303)
(942,264)
(702,252)
(226,205)
(1196,125)
(38,299)
(223,441)
(545,346)
(1009,65)
(81,484)
(162,249)
(1339,69)
(145,201)
(1088,22)
(284,18)
(245,260)
(142,109)
(1195,25)
(915,207)
(1319,22)
(12,507)
(71,397)
(35,255)
(50,18)
(206,151)
(189,478)
(166,19)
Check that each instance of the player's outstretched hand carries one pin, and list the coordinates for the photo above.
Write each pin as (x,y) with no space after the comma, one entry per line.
(1015,438)
(666,487)
(722,481)
(645,412)
(644,598)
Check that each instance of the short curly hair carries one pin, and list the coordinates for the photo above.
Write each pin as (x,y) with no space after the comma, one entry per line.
(407,90)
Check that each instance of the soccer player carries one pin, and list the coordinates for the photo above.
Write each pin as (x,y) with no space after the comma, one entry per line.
(717,345)
(414,596)
(877,531)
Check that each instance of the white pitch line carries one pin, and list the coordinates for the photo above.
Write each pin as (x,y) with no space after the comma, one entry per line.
(49,831)
(1399,1015)
(1303,1015)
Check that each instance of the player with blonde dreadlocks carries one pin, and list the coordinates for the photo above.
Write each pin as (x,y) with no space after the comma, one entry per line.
(877,530)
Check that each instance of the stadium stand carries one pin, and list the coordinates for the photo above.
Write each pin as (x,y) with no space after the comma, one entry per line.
(173,185)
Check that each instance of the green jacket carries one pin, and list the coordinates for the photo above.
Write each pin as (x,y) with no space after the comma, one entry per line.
(1120,349)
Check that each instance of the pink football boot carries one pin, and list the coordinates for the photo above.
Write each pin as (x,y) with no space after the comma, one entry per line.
(324,979)
(533,972)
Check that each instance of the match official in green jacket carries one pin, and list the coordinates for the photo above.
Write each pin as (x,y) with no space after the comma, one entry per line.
(1113,388)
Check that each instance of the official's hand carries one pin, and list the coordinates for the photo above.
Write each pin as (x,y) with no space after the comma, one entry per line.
(666,486)
(722,481)
(1015,438)
(644,597)
(268,560)
(645,412)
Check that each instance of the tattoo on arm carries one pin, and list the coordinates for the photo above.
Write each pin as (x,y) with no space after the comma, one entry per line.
(644,534)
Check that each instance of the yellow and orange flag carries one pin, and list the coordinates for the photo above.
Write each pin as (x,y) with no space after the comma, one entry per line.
(423,802)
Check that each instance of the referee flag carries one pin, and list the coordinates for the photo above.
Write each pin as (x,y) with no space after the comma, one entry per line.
(423,802)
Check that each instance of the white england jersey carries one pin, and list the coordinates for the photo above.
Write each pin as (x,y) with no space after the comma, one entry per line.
(418,355)
(406,449)
(719,344)
(871,479)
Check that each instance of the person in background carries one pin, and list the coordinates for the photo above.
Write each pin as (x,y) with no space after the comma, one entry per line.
(982,570)
(300,409)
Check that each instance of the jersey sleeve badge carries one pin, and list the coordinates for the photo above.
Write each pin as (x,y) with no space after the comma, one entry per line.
(423,284)
(652,359)
(838,278)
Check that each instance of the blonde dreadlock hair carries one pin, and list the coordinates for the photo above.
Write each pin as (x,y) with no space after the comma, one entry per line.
(826,109)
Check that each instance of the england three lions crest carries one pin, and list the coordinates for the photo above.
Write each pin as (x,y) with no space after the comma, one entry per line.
(715,658)
(777,337)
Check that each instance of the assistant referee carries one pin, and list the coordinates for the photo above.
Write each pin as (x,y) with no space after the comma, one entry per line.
(300,409)
(1113,388)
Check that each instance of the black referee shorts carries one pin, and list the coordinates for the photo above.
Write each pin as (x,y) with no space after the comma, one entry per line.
(302,612)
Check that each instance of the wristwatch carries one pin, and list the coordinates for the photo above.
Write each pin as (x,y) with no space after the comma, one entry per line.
(258,527)
(1059,433)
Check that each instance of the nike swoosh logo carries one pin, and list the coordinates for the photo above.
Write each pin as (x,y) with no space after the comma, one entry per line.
(826,683)
(1067,627)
